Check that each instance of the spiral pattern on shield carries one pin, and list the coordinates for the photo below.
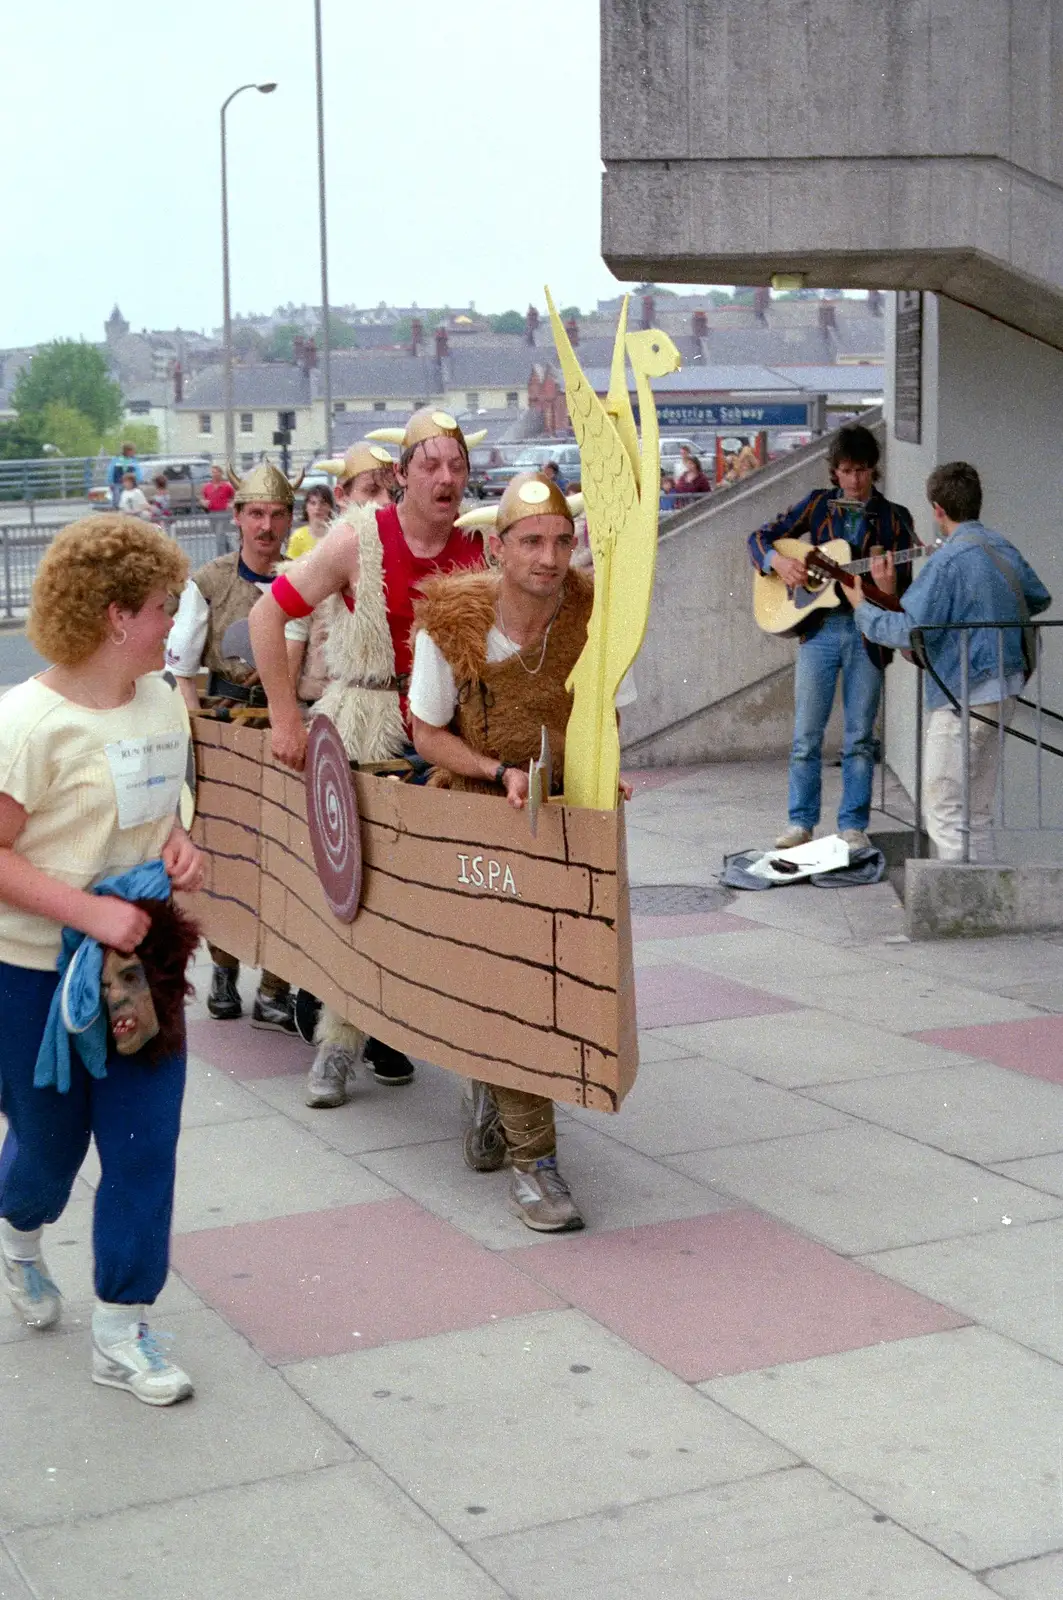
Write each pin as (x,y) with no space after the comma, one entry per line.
(332,814)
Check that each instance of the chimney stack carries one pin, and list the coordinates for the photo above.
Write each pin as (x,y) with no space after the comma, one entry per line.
(442,343)
(416,335)
(700,324)
(531,322)
(828,320)
(572,329)
(649,310)
(761,302)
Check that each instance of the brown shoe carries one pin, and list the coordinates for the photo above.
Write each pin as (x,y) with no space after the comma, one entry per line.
(792,836)
(541,1198)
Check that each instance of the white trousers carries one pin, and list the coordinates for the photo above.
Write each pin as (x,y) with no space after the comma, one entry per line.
(943,780)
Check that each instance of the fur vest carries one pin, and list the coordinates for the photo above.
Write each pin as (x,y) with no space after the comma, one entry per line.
(502,707)
(229,599)
(357,653)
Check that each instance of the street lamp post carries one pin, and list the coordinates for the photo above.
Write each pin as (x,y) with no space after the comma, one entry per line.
(230,441)
(326,332)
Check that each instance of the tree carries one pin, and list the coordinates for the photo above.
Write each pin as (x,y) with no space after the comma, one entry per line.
(341,336)
(143,436)
(68,373)
(569,313)
(19,441)
(508,322)
(69,430)
(281,346)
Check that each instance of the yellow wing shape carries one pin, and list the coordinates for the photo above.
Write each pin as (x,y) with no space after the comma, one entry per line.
(592,744)
(618,399)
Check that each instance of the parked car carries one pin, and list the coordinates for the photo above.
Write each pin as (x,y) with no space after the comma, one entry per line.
(532,458)
(185,477)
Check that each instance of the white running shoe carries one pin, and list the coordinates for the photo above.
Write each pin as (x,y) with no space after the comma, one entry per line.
(31,1291)
(792,836)
(136,1363)
(331,1075)
(542,1200)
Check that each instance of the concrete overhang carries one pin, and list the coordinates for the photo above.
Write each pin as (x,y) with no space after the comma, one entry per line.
(976,229)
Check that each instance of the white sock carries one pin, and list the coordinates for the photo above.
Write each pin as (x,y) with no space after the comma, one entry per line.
(111,1324)
(19,1246)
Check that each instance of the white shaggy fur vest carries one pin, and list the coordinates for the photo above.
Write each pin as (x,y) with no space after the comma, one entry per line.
(358,653)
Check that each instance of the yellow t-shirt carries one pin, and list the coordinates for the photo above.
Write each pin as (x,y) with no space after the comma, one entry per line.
(300,542)
(101,789)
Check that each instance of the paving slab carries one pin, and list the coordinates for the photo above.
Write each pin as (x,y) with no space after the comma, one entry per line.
(750,954)
(808,1047)
(861,1189)
(614,1186)
(246,1052)
(955,1436)
(1039,1172)
(109,1452)
(988,963)
(266,1167)
(789,1533)
(463,1422)
(1029,1580)
(683,925)
(728,1293)
(979,1111)
(897,999)
(322,1282)
(343,1531)
(376,1116)
(1033,1045)
(1010,1280)
(698,1104)
(679,993)
(212,1095)
(11,1584)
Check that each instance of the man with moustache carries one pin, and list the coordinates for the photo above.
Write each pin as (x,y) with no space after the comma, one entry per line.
(219,594)
(379,556)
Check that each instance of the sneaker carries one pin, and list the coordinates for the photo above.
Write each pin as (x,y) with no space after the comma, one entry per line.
(331,1074)
(856,838)
(306,1010)
(389,1065)
(484,1146)
(31,1291)
(792,836)
(223,1002)
(541,1198)
(136,1363)
(275,1011)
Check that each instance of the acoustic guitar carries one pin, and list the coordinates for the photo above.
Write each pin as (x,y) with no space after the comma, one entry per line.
(780,610)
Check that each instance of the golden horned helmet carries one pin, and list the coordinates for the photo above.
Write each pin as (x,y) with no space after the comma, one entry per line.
(529,494)
(264,483)
(428,423)
(361,457)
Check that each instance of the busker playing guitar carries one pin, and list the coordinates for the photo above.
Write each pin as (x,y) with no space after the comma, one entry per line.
(831,643)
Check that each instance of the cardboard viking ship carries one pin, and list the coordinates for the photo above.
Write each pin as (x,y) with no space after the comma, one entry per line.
(493,942)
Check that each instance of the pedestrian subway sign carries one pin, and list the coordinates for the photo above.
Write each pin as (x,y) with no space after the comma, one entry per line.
(698,415)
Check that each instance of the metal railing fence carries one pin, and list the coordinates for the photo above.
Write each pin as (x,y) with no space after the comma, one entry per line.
(22,547)
(1017,720)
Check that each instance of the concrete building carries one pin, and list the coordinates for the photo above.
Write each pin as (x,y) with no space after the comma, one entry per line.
(911,148)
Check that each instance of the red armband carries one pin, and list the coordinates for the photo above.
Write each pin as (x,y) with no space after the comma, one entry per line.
(288,597)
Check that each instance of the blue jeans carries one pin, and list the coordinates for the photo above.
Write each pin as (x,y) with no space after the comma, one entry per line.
(837,647)
(134,1115)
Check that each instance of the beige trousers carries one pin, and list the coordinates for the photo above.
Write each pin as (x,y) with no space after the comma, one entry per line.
(943,780)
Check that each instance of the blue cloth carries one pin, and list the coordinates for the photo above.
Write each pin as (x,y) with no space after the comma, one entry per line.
(835,648)
(960,583)
(76,1011)
(134,1116)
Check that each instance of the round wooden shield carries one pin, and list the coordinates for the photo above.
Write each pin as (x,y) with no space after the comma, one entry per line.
(332,813)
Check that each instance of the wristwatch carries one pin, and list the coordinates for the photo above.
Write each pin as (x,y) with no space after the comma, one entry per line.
(500,773)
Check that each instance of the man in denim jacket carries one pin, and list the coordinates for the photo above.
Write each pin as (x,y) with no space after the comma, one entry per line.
(965,580)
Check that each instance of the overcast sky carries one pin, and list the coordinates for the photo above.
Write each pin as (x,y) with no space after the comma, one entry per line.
(461,149)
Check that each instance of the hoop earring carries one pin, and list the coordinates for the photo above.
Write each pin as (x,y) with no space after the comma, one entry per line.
(122,640)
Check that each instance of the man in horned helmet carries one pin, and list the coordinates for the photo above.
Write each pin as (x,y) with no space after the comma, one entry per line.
(493,653)
(363,576)
(219,594)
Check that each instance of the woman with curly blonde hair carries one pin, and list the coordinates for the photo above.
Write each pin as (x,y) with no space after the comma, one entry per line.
(93,755)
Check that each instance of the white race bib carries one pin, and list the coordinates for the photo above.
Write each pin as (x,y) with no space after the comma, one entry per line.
(148,774)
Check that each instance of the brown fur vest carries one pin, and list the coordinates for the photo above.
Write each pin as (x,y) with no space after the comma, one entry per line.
(502,708)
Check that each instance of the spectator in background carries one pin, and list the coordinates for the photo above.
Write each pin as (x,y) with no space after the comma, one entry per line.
(319,508)
(975,575)
(692,480)
(553,472)
(132,500)
(161,510)
(217,495)
(686,456)
(668,496)
(123,463)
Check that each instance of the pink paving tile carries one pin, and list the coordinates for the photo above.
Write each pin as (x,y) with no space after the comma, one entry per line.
(326,1282)
(674,994)
(685,925)
(1034,1046)
(246,1052)
(643,778)
(729,1293)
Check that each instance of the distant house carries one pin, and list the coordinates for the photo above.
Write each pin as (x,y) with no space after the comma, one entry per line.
(267,398)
